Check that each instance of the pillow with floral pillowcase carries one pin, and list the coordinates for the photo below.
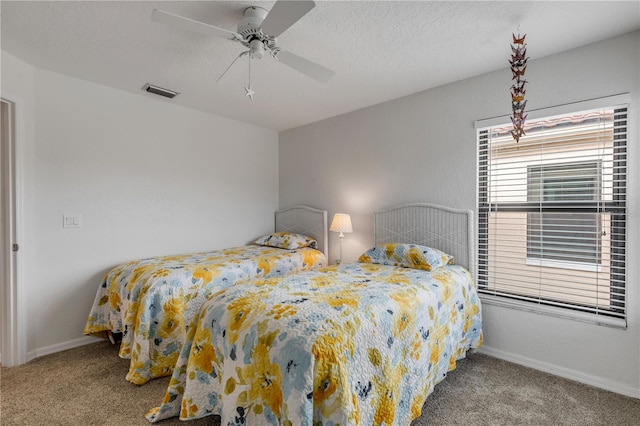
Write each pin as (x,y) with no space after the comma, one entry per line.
(286,240)
(407,255)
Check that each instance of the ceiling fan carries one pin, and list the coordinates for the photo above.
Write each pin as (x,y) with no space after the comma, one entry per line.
(258,31)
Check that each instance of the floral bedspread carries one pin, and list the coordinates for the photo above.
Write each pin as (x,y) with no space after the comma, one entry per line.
(344,345)
(152,301)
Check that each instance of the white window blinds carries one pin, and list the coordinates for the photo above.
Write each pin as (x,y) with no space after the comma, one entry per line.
(552,212)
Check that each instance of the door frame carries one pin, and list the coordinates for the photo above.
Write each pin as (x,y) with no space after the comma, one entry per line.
(13,336)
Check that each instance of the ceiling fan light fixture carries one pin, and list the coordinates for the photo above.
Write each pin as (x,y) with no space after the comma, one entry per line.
(256,49)
(159,91)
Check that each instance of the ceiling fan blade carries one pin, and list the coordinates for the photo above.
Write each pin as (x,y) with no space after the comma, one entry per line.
(192,25)
(305,66)
(284,14)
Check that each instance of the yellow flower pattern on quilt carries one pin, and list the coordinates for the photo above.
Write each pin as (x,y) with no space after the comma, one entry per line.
(151,301)
(354,344)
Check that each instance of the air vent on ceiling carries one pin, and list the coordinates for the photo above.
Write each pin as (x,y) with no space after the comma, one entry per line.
(159,91)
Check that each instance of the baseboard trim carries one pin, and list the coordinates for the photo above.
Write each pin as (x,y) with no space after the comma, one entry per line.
(59,347)
(567,373)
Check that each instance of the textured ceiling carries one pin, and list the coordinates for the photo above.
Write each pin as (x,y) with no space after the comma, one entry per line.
(379,50)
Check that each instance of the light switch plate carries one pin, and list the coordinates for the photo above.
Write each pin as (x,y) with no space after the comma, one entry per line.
(71,221)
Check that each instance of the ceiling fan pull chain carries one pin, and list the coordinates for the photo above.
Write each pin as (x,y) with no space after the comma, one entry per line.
(234,61)
(248,92)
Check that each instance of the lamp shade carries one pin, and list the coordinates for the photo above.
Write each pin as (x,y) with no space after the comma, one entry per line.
(341,223)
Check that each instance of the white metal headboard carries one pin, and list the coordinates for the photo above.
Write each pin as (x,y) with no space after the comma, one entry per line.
(307,221)
(444,228)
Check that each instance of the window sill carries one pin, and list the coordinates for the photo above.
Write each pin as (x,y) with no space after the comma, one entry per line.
(554,311)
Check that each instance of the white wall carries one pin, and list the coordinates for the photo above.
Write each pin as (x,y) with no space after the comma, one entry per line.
(423,148)
(147,177)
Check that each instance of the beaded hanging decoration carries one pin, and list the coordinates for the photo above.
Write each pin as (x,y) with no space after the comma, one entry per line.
(518,63)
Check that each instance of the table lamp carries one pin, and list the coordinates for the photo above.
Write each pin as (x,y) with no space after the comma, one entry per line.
(341,223)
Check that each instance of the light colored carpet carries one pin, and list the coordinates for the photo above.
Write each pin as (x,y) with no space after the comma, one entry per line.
(86,386)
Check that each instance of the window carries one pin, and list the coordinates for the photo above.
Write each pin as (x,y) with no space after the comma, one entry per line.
(552,213)
(575,239)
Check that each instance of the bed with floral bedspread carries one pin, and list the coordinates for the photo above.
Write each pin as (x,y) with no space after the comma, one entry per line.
(151,301)
(362,343)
